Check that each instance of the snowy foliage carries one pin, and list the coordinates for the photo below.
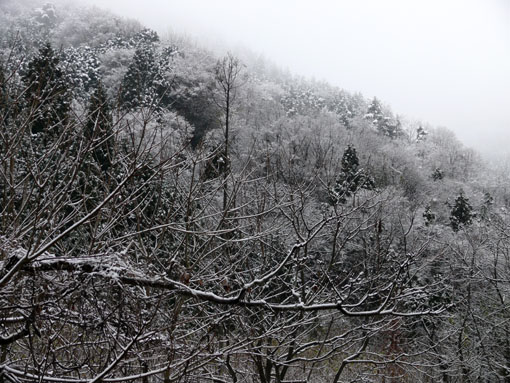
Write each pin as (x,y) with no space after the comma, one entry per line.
(461,214)
(46,91)
(162,221)
(145,82)
(302,101)
(382,120)
(351,178)
(81,67)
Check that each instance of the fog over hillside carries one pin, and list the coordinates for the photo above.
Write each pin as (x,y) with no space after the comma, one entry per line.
(444,62)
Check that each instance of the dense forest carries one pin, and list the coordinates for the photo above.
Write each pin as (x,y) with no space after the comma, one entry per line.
(172,214)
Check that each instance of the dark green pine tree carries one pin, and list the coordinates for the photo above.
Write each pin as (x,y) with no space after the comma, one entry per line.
(96,174)
(352,177)
(146,36)
(386,125)
(429,215)
(421,134)
(376,116)
(350,161)
(99,129)
(461,213)
(437,174)
(46,107)
(10,105)
(393,129)
(46,93)
(374,112)
(143,83)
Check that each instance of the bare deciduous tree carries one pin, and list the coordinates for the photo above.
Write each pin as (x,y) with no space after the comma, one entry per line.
(136,272)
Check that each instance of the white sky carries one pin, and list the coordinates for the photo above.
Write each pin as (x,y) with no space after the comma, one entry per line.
(446,62)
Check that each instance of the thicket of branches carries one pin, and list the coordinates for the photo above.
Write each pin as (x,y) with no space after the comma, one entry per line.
(169,217)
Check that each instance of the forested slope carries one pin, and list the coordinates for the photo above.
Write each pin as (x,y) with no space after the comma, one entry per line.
(172,215)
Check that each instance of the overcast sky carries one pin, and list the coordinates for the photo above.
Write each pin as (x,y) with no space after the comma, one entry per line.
(446,62)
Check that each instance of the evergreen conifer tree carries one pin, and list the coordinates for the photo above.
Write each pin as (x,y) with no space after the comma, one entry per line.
(99,128)
(352,177)
(144,83)
(374,112)
(437,174)
(421,134)
(46,92)
(384,124)
(429,215)
(461,213)
(146,36)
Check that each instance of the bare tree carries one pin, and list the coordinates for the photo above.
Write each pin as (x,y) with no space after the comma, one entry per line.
(120,274)
(228,76)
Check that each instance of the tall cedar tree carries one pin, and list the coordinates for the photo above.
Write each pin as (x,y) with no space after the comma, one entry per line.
(46,93)
(99,128)
(228,76)
(352,177)
(382,122)
(374,112)
(461,213)
(143,83)
(437,174)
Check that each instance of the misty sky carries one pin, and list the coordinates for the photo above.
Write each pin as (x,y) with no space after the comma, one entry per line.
(446,62)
